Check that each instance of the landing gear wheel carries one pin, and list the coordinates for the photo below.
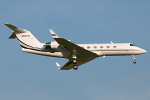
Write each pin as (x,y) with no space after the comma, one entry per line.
(75,67)
(74,61)
(134,61)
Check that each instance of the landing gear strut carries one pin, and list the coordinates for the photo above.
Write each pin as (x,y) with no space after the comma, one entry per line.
(134,60)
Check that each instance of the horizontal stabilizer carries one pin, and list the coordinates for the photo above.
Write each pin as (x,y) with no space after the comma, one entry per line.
(15,29)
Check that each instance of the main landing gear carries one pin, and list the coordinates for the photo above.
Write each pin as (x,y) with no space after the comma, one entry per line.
(134,60)
(74,57)
(75,67)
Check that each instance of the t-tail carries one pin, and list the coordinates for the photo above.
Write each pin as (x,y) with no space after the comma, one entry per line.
(25,38)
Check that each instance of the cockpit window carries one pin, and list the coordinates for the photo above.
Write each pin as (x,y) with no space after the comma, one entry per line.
(132,45)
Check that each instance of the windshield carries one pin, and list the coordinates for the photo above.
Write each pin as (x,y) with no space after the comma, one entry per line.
(132,45)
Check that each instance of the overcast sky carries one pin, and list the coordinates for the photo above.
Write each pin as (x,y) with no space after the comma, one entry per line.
(26,76)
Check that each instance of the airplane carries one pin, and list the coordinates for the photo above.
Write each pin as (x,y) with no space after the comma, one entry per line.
(77,54)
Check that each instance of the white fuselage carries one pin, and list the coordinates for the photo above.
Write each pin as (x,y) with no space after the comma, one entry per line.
(77,54)
(114,49)
(111,49)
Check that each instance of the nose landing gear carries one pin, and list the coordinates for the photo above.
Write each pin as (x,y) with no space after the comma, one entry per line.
(134,60)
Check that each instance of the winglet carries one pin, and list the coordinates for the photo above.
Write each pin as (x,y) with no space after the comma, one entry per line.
(54,35)
(59,67)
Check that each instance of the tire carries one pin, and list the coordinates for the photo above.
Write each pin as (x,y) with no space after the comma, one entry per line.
(134,61)
(75,67)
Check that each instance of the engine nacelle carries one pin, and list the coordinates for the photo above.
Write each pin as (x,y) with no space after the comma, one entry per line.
(50,45)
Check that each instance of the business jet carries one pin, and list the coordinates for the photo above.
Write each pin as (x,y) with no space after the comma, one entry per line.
(77,54)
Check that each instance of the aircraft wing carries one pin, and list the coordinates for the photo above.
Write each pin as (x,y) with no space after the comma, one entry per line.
(69,64)
(83,55)
(73,48)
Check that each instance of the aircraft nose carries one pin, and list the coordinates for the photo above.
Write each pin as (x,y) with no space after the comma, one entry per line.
(143,51)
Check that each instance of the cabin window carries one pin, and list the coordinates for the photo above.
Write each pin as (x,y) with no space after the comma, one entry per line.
(95,47)
(132,45)
(114,47)
(101,46)
(88,47)
(108,46)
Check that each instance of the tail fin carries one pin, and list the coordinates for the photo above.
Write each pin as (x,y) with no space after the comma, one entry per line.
(25,38)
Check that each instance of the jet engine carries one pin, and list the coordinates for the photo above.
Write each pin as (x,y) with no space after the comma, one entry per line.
(50,46)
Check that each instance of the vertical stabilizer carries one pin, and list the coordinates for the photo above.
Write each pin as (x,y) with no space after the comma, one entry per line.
(25,38)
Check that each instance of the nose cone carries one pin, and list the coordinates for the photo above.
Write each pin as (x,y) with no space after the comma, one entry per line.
(143,51)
